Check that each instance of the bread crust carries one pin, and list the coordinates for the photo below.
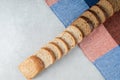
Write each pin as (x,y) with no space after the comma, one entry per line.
(31,67)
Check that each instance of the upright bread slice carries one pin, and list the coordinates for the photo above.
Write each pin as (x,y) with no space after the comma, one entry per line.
(84,24)
(99,12)
(106,15)
(31,67)
(115,4)
(68,38)
(106,5)
(47,56)
(92,17)
(75,31)
(56,50)
(62,45)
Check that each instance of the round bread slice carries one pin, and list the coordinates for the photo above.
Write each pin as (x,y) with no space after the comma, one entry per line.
(68,38)
(75,31)
(103,10)
(92,17)
(31,67)
(62,45)
(106,5)
(46,55)
(115,4)
(56,50)
(84,24)
(99,12)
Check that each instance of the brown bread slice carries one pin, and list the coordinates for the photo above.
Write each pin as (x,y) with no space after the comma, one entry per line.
(31,67)
(75,31)
(106,15)
(115,4)
(92,17)
(62,45)
(99,12)
(47,56)
(56,50)
(106,5)
(68,38)
(84,24)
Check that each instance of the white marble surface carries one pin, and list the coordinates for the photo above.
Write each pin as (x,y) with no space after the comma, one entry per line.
(25,25)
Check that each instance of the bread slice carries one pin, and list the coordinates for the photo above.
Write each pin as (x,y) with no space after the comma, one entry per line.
(68,38)
(31,67)
(75,31)
(62,45)
(99,12)
(106,5)
(115,4)
(46,55)
(106,15)
(84,24)
(56,50)
(92,17)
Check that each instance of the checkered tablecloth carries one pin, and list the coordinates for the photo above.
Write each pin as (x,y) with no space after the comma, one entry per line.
(101,47)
